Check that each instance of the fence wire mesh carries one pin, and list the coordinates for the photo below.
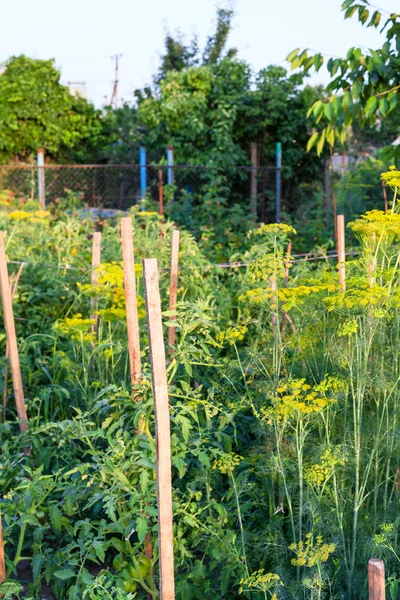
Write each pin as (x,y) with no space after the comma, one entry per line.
(122,186)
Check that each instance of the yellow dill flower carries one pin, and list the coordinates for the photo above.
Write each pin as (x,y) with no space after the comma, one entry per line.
(19,215)
(309,554)
(274,229)
(77,328)
(318,474)
(227,463)
(377,223)
(294,401)
(391,177)
(232,334)
(259,580)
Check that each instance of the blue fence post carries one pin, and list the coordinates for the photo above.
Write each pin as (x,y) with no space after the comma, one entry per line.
(41,183)
(278,181)
(143,175)
(170,162)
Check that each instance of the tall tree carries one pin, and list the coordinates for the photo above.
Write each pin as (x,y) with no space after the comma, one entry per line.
(36,111)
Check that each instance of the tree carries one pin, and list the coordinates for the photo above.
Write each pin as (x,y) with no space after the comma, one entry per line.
(365,85)
(180,55)
(36,111)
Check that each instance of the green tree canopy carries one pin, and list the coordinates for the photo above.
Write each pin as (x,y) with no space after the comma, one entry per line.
(365,84)
(36,111)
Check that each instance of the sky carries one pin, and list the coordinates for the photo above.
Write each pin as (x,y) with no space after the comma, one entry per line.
(83,35)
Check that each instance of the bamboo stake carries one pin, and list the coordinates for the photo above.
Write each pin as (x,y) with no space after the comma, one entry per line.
(341,248)
(376,579)
(132,319)
(173,287)
(11,337)
(13,284)
(163,440)
(96,259)
(2,560)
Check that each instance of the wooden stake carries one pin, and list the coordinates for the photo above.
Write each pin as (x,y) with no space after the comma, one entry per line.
(163,441)
(96,259)
(160,193)
(132,319)
(173,286)
(385,200)
(376,579)
(341,248)
(11,337)
(333,195)
(13,284)
(2,560)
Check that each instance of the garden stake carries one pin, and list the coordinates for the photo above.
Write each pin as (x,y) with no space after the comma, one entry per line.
(160,193)
(385,200)
(132,319)
(2,561)
(285,316)
(13,284)
(96,254)
(333,195)
(12,338)
(376,579)
(163,440)
(173,287)
(341,248)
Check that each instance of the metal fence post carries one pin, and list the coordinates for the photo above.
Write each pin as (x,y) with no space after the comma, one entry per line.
(253,180)
(170,162)
(143,174)
(41,181)
(278,181)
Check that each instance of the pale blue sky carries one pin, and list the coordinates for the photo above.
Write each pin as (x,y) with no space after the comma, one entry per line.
(83,34)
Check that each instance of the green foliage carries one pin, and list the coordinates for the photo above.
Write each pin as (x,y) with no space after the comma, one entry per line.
(365,84)
(36,111)
(284,453)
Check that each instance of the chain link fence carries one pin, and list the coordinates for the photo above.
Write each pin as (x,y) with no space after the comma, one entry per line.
(122,186)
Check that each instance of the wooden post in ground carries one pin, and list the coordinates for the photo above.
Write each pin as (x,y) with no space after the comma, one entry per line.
(333,195)
(173,286)
(376,579)
(13,284)
(160,193)
(11,337)
(385,200)
(2,560)
(163,439)
(341,249)
(132,318)
(96,258)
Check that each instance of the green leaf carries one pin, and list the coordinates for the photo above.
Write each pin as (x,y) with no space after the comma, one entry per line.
(312,141)
(318,61)
(64,574)
(328,111)
(321,142)
(292,54)
(330,137)
(356,90)
(350,11)
(370,106)
(383,106)
(99,548)
(141,528)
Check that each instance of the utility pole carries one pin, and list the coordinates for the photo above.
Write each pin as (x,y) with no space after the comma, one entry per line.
(114,97)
